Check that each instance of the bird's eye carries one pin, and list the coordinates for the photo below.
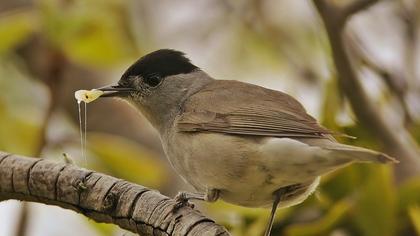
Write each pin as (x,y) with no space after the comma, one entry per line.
(152,80)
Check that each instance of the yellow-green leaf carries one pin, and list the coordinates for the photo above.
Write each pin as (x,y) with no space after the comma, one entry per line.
(376,208)
(89,32)
(14,28)
(414,213)
(323,225)
(128,160)
(409,193)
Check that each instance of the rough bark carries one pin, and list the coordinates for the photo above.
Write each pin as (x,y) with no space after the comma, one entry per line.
(100,197)
(395,139)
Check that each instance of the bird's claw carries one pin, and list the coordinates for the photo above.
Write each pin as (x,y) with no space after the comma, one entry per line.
(182,200)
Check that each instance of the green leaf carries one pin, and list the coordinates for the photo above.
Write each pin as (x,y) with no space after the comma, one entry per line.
(103,229)
(322,226)
(342,183)
(414,213)
(14,28)
(332,105)
(91,33)
(22,107)
(409,193)
(363,137)
(18,135)
(126,159)
(415,131)
(221,206)
(376,208)
(244,220)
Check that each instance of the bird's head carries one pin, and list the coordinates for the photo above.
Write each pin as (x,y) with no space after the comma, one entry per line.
(157,83)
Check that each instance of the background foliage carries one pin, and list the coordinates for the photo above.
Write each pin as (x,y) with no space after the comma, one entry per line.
(50,48)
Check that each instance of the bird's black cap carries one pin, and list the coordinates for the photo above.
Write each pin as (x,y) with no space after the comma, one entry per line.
(163,62)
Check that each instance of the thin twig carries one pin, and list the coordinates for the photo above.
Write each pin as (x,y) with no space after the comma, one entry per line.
(396,81)
(395,139)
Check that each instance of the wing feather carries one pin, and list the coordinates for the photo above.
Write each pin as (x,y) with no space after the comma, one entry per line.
(233,107)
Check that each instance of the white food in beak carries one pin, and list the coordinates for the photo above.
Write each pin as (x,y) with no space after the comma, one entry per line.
(87,96)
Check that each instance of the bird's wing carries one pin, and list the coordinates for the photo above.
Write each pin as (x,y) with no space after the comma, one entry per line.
(234,107)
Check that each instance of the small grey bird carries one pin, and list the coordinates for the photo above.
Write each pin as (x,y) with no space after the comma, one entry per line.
(243,143)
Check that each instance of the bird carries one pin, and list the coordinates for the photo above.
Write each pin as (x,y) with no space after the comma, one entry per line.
(235,141)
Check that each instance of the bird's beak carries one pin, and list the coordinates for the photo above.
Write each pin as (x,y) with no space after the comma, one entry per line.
(115,91)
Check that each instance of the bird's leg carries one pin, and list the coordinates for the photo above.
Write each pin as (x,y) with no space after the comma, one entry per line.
(182,198)
(278,196)
(273,213)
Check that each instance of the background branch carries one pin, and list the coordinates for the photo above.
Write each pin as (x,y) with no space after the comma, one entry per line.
(356,6)
(100,197)
(394,79)
(396,140)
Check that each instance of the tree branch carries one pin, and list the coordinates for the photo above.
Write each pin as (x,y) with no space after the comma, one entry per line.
(394,79)
(100,197)
(395,139)
(356,6)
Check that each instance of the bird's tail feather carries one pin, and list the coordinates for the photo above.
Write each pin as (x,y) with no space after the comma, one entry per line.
(362,154)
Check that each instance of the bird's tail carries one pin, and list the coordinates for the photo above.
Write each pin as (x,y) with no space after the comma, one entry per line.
(361,154)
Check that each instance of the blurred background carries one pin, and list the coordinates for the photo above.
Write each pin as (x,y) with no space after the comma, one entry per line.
(51,48)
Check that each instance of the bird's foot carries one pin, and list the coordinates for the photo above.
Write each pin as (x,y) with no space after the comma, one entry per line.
(182,198)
